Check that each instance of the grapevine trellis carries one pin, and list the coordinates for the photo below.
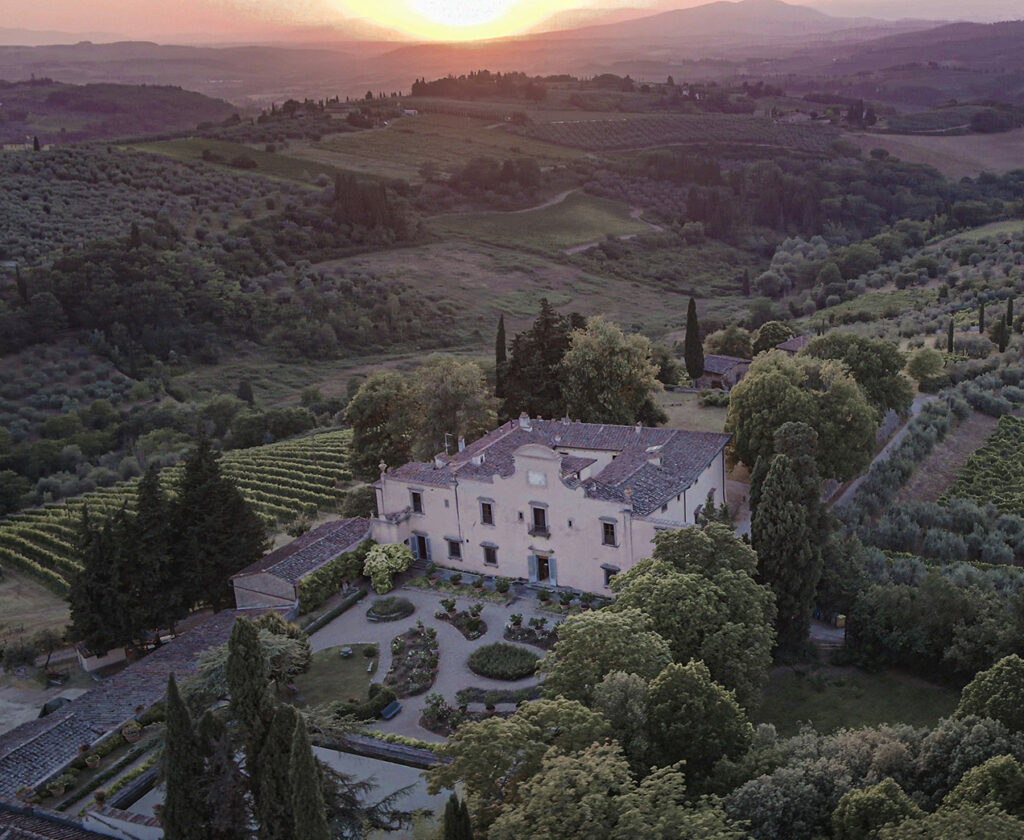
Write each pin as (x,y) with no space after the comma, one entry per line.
(283,481)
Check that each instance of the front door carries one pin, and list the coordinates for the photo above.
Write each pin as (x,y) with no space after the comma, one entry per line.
(543,569)
(420,547)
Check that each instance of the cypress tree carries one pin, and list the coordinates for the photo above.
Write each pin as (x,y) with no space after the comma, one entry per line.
(248,681)
(307,798)
(245,392)
(782,534)
(693,350)
(184,814)
(35,144)
(746,282)
(21,284)
(949,337)
(134,238)
(272,785)
(500,359)
(981,317)
(457,825)
(1009,312)
(161,592)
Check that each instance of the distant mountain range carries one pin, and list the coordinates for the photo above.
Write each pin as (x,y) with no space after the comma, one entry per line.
(763,37)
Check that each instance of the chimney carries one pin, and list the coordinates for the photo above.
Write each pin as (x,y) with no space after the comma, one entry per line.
(639,426)
(566,421)
(383,468)
(524,422)
(462,444)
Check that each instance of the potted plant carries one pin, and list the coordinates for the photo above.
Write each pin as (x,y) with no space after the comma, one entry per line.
(131,732)
(586,599)
(100,795)
(456,579)
(501,585)
(543,596)
(448,604)
(432,570)
(92,761)
(516,619)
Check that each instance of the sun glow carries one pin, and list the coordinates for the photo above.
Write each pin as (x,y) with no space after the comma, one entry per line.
(454,20)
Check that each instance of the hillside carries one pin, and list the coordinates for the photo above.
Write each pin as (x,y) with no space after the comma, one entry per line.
(59,112)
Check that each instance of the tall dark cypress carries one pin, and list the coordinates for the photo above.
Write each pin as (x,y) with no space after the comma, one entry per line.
(184,816)
(272,784)
(1009,312)
(949,337)
(248,681)
(161,594)
(500,359)
(746,282)
(457,825)
(134,237)
(981,317)
(693,349)
(309,814)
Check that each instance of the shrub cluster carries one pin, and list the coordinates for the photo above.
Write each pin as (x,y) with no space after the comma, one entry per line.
(501,661)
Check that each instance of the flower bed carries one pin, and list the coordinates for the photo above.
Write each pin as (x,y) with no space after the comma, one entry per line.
(500,661)
(441,718)
(465,587)
(391,608)
(467,622)
(536,633)
(493,696)
(414,666)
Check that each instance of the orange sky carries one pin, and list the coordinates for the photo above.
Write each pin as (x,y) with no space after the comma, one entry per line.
(232,20)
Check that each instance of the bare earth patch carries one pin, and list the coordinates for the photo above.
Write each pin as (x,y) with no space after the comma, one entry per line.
(935,476)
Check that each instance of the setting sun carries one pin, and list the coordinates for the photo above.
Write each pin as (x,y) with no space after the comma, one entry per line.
(455,20)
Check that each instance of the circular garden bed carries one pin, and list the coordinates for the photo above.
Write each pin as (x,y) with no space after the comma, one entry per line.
(501,661)
(391,608)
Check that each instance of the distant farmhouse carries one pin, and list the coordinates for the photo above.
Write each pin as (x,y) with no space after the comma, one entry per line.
(794,345)
(722,372)
(554,502)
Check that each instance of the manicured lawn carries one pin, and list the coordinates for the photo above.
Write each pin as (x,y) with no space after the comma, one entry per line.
(833,698)
(577,220)
(332,678)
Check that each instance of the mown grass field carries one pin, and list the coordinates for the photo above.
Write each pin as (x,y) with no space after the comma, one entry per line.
(267,163)
(685,412)
(579,219)
(835,698)
(398,150)
(961,156)
(1007,228)
(26,606)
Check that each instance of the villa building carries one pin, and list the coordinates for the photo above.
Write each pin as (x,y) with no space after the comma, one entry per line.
(552,501)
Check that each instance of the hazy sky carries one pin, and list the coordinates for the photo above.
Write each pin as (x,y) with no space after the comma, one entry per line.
(228,20)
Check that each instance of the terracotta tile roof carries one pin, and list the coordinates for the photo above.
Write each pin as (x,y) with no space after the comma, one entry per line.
(794,345)
(294,561)
(22,823)
(722,364)
(653,464)
(33,752)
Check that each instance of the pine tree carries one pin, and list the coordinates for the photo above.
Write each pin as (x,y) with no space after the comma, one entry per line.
(532,382)
(160,592)
(949,337)
(500,359)
(272,784)
(307,798)
(784,536)
(184,814)
(693,349)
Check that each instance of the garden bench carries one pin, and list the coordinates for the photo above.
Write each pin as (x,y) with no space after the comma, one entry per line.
(390,710)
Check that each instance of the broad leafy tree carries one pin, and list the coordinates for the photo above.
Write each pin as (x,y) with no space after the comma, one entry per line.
(608,377)
(692,718)
(451,398)
(997,693)
(593,644)
(382,419)
(731,341)
(861,813)
(780,389)
(770,335)
(876,365)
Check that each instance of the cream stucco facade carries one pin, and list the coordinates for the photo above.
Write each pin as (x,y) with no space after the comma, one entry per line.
(552,502)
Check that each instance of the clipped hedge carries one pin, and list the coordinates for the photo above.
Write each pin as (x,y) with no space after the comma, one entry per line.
(346,603)
(316,588)
(380,696)
(501,661)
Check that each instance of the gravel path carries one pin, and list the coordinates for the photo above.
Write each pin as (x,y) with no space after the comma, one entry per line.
(454,649)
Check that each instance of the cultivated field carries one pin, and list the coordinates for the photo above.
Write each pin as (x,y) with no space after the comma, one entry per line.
(995,472)
(275,165)
(634,132)
(399,150)
(283,481)
(577,220)
(967,155)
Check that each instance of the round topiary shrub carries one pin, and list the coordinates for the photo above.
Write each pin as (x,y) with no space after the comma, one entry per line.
(391,608)
(501,661)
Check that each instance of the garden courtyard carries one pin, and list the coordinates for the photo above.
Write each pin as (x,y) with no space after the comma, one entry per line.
(354,630)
